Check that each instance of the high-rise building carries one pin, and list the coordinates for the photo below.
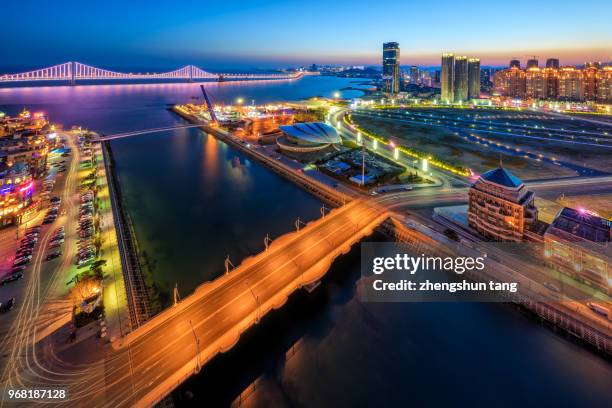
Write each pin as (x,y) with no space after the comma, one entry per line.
(447,78)
(570,84)
(473,78)
(510,82)
(552,63)
(551,83)
(436,76)
(604,84)
(533,63)
(514,63)
(460,88)
(589,82)
(391,68)
(592,64)
(414,74)
(485,78)
(535,83)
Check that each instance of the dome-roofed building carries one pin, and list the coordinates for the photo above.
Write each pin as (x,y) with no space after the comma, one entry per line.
(307,137)
(500,207)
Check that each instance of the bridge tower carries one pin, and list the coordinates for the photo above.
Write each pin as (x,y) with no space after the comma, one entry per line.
(190,74)
(72,72)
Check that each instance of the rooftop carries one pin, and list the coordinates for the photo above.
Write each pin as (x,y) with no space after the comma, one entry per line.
(583,224)
(502,177)
(312,132)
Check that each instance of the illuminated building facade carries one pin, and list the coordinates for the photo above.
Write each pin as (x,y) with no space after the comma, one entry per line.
(535,84)
(592,83)
(604,84)
(447,78)
(16,188)
(391,67)
(510,82)
(500,207)
(578,243)
(473,78)
(571,84)
(460,85)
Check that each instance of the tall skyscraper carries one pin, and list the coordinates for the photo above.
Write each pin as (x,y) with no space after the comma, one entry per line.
(460,89)
(533,63)
(552,63)
(447,78)
(515,63)
(473,78)
(414,74)
(391,69)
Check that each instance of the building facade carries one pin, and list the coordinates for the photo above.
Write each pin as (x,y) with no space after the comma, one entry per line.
(500,207)
(460,86)
(592,83)
(473,78)
(552,63)
(447,78)
(391,67)
(577,243)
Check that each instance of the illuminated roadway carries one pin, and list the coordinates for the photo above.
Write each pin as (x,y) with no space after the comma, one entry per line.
(162,353)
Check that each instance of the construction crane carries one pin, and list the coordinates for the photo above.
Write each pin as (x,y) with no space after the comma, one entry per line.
(209,106)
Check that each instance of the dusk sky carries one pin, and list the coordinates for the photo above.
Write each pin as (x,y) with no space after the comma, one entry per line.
(151,34)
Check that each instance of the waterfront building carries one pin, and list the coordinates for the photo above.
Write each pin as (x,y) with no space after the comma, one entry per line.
(391,68)
(571,84)
(500,207)
(578,243)
(514,64)
(16,188)
(309,137)
(460,85)
(447,78)
(552,63)
(25,139)
(473,78)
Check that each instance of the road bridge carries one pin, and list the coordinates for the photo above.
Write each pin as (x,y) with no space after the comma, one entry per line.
(173,345)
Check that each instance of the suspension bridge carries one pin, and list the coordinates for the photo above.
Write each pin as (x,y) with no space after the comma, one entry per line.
(75,71)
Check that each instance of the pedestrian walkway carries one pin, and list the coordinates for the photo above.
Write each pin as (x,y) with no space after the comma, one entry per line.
(115,297)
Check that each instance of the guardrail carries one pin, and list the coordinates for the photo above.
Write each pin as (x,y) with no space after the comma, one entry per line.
(136,290)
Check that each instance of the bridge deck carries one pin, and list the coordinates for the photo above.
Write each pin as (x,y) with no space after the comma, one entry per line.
(163,351)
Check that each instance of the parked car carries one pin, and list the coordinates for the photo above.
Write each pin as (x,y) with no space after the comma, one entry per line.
(11,278)
(8,305)
(18,268)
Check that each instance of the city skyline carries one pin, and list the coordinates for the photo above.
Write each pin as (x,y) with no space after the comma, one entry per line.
(277,34)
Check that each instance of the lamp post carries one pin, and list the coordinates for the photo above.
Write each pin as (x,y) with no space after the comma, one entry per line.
(197,343)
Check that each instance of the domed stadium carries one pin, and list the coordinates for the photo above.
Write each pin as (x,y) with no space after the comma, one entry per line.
(307,137)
